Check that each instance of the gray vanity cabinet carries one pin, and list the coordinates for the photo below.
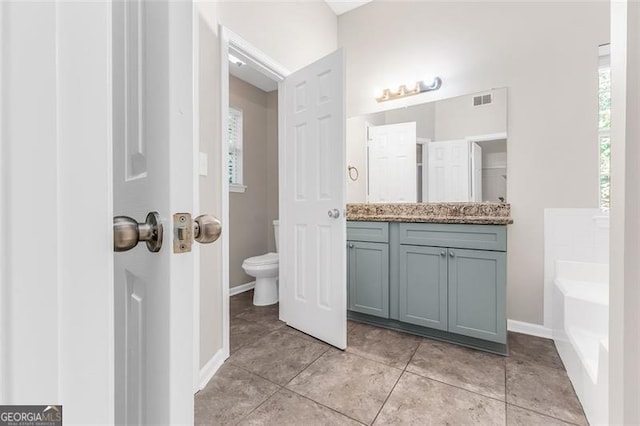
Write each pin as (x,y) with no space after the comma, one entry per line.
(477,287)
(368,268)
(445,281)
(423,286)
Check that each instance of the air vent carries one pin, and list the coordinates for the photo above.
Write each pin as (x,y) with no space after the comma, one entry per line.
(482,100)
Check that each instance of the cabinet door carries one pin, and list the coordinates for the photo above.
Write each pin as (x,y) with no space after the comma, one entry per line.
(477,286)
(369,278)
(423,286)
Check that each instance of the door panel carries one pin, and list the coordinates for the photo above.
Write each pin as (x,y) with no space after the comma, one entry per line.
(477,281)
(369,278)
(423,286)
(449,178)
(313,259)
(392,163)
(153,151)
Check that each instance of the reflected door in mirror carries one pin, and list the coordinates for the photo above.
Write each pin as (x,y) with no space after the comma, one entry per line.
(392,163)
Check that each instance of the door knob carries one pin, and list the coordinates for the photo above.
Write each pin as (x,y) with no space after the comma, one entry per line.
(442,253)
(206,229)
(451,254)
(127,233)
(335,213)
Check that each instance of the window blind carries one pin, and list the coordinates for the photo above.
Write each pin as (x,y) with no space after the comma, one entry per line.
(235,146)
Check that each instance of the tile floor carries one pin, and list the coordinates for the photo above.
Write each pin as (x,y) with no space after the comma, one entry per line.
(279,376)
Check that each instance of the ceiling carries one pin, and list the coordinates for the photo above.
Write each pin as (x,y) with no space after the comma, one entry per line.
(254,77)
(249,74)
(343,6)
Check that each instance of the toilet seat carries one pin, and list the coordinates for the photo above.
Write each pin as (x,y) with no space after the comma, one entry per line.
(264,260)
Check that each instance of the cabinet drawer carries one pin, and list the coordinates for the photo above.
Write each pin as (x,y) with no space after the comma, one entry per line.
(375,232)
(480,237)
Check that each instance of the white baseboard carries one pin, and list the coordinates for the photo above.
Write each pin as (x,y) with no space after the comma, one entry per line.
(210,368)
(528,328)
(241,288)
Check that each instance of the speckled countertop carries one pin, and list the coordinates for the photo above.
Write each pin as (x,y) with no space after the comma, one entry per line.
(469,213)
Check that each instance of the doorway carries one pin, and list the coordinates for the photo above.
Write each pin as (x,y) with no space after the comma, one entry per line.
(252,166)
(249,106)
(311,182)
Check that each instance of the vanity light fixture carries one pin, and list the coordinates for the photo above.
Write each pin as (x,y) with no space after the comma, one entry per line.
(410,90)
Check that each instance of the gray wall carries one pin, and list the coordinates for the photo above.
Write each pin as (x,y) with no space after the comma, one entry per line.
(549,64)
(251,212)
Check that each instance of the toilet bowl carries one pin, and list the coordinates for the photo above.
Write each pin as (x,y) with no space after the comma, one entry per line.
(265,269)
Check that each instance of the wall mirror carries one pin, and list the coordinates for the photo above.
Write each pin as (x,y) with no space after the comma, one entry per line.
(451,150)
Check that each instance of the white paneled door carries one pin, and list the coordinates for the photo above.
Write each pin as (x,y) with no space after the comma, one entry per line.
(153,152)
(312,201)
(392,163)
(449,174)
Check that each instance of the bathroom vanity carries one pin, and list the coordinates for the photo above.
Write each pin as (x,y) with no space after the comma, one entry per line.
(436,270)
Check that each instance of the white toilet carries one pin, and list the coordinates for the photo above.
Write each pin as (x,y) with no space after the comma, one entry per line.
(265,269)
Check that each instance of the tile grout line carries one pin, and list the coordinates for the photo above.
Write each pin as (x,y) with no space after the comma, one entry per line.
(309,365)
(230,361)
(563,369)
(323,405)
(374,360)
(258,406)
(311,399)
(404,370)
(387,398)
(412,355)
(251,372)
(269,332)
(457,387)
(543,414)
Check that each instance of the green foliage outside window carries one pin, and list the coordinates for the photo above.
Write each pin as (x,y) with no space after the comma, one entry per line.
(604,126)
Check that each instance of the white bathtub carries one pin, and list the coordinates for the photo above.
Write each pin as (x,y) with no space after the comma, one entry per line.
(580,318)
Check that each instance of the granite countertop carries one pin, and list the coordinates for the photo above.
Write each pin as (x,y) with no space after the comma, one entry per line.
(465,213)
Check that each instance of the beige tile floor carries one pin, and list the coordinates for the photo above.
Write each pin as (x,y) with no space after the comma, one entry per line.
(279,376)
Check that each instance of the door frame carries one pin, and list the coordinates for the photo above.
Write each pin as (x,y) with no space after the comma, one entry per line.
(276,72)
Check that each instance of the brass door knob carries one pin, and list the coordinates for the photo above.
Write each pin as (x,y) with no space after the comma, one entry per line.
(127,232)
(206,229)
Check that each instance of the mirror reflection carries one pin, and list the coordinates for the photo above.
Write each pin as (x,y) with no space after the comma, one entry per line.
(444,151)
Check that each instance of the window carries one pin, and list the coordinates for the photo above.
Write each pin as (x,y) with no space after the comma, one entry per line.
(235,150)
(604,125)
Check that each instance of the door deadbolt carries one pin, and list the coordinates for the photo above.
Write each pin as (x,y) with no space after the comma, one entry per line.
(127,232)
(204,229)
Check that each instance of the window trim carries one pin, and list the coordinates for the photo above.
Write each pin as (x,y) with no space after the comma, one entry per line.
(234,187)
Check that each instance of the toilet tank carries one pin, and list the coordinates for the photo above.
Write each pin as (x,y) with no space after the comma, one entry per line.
(276,226)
